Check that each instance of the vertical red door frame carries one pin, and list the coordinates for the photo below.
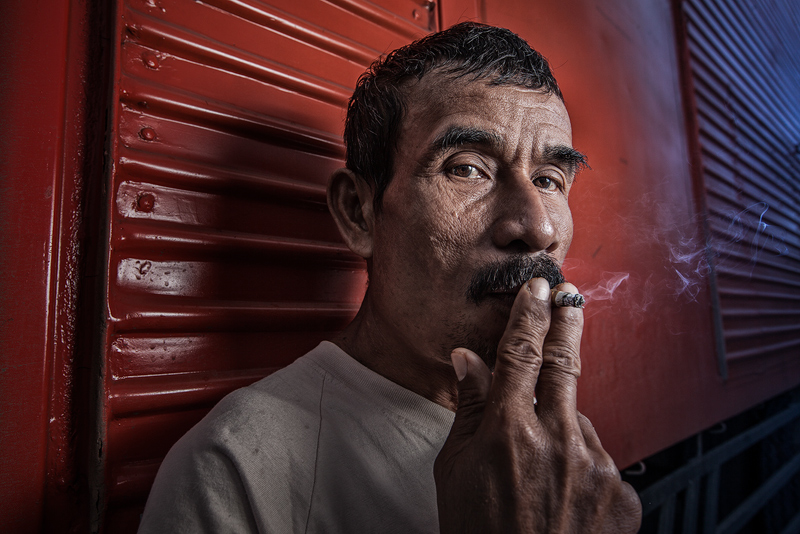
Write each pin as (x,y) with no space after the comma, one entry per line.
(53,122)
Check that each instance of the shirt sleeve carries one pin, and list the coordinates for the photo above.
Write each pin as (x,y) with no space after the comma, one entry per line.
(197,490)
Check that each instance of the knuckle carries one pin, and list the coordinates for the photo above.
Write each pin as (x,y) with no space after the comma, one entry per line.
(441,464)
(438,468)
(584,422)
(534,319)
(626,509)
(630,499)
(599,470)
(563,359)
(608,472)
(604,478)
(522,349)
(499,442)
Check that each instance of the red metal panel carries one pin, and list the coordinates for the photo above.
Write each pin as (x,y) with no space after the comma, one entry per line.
(650,375)
(748,132)
(30,177)
(224,263)
(49,125)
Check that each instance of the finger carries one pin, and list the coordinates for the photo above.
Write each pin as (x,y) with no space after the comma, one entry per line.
(519,354)
(589,433)
(475,379)
(625,501)
(592,441)
(602,458)
(557,388)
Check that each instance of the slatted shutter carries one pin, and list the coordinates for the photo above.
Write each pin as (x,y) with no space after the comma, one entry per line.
(745,72)
(223,262)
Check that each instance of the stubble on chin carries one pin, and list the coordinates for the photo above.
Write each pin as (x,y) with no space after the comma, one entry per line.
(484,344)
(506,275)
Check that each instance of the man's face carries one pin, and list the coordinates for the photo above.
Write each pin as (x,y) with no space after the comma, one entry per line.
(481,177)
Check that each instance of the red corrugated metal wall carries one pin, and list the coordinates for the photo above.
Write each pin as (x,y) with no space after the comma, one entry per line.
(745,73)
(650,372)
(224,264)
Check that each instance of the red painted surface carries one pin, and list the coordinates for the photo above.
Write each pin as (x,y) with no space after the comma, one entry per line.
(48,74)
(747,138)
(225,122)
(223,261)
(33,114)
(650,374)
(53,96)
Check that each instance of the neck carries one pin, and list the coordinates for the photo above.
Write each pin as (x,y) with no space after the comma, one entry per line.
(410,363)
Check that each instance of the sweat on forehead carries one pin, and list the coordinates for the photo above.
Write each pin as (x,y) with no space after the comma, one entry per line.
(469,51)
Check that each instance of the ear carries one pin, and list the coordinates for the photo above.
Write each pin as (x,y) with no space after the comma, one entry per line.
(350,203)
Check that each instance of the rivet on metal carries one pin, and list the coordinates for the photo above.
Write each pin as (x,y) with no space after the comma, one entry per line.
(150,60)
(416,15)
(148,134)
(145,202)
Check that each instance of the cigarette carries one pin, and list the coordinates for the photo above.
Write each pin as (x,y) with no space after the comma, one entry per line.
(562,299)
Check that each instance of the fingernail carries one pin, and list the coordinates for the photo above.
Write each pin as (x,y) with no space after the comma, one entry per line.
(540,288)
(459,364)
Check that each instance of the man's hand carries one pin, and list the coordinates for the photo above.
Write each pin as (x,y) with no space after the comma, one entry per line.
(508,466)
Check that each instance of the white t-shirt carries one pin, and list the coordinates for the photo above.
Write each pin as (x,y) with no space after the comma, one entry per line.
(323,445)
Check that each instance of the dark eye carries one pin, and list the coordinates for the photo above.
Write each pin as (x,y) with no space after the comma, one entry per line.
(465,171)
(547,183)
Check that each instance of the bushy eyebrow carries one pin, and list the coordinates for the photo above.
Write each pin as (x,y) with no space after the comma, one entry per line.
(457,136)
(565,157)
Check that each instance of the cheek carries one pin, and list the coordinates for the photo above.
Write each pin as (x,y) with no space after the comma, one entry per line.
(562,218)
(454,231)
(449,239)
(435,227)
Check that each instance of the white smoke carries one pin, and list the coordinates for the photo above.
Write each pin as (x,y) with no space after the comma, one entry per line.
(684,271)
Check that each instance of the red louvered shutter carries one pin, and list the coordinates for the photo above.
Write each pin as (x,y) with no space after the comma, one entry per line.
(744,68)
(224,263)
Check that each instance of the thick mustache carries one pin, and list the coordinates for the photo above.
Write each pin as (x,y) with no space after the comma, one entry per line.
(509,274)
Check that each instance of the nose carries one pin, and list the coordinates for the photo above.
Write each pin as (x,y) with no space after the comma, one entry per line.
(526,221)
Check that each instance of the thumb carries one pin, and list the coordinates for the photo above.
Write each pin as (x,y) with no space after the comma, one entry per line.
(474,382)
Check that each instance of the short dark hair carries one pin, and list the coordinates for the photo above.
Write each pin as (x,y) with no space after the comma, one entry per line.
(378,104)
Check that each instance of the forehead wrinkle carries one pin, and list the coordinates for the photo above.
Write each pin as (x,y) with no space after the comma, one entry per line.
(472,108)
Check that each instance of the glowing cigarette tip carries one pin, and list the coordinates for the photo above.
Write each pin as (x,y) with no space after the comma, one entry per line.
(562,299)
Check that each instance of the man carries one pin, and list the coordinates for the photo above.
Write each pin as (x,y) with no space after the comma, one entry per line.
(459,165)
